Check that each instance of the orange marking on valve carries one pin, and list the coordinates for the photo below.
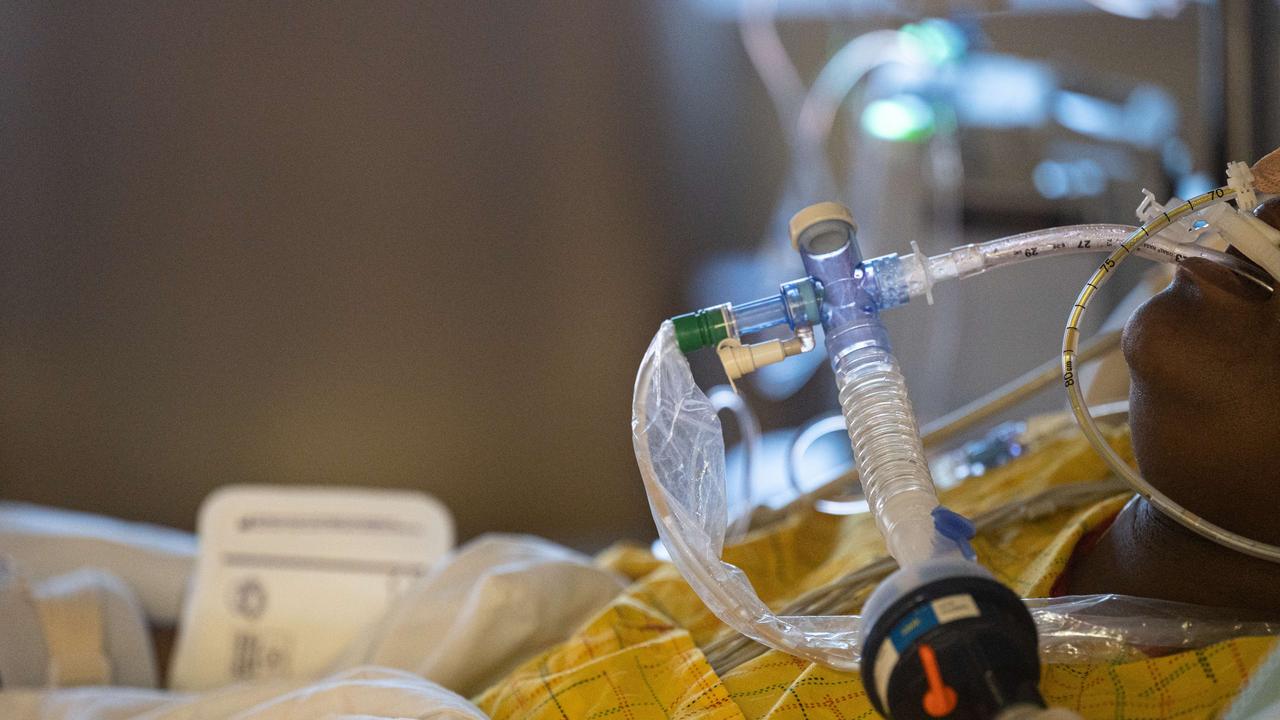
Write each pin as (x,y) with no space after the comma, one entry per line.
(940,700)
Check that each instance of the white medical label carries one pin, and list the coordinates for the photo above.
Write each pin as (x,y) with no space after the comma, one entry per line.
(286,577)
(886,659)
(955,607)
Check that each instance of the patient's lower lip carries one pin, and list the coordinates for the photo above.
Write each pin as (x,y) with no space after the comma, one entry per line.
(1231,250)
(1208,275)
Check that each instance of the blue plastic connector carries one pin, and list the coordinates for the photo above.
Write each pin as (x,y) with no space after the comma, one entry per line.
(956,528)
(851,292)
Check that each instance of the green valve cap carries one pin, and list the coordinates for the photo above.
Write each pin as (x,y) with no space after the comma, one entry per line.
(701,328)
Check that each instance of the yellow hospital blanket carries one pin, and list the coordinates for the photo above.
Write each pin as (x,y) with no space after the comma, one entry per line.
(640,657)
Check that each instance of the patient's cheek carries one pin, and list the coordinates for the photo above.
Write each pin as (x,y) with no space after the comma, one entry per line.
(1151,346)
(1166,382)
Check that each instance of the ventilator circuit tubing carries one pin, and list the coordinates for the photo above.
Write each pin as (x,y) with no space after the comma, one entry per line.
(1133,244)
(872,392)
(886,447)
(680,448)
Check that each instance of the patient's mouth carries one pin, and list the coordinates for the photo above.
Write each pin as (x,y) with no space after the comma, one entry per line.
(1231,250)
(1203,273)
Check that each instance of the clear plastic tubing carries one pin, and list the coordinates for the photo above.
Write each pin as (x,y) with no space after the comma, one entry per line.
(969,260)
(759,314)
(873,395)
(796,305)
(895,280)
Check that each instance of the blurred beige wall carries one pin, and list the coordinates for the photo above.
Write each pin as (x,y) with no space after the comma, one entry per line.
(397,244)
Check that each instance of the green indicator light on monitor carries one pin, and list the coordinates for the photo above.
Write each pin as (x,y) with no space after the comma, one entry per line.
(939,40)
(902,118)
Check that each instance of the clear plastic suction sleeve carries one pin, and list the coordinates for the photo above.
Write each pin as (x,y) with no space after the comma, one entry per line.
(680,450)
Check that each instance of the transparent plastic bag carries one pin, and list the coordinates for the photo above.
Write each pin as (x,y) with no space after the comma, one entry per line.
(680,449)
(1115,628)
(679,446)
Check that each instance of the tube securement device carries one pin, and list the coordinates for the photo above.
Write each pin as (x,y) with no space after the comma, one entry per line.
(1248,235)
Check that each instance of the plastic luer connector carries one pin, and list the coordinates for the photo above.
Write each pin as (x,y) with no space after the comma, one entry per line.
(796,305)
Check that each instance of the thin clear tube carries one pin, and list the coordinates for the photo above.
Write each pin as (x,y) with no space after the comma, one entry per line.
(1070,343)
(764,48)
(841,74)
(723,397)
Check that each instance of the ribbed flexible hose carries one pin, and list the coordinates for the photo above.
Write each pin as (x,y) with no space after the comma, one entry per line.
(886,446)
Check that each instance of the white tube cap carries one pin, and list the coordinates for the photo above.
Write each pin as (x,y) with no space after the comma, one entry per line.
(816,213)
